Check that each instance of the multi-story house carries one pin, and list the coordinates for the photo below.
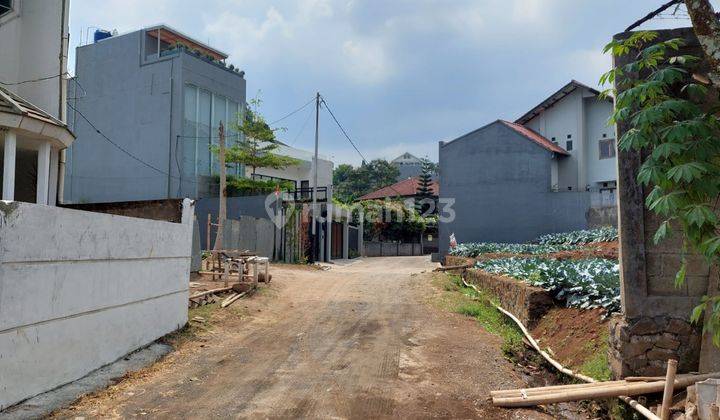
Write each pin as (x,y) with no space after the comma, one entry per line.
(157,98)
(552,170)
(33,51)
(576,119)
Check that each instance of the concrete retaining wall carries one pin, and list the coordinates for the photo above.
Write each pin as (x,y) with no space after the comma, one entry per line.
(79,290)
(527,303)
(392,249)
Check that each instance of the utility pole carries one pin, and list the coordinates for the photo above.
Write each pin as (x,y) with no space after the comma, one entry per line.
(315,159)
(222,210)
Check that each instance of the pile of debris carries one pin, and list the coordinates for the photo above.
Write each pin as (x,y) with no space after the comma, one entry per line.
(232,268)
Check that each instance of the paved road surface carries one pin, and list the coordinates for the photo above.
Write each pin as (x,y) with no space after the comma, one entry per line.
(359,341)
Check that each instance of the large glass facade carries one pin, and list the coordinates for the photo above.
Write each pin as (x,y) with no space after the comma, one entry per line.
(202,116)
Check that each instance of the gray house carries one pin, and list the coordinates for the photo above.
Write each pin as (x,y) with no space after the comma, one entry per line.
(501,178)
(157,98)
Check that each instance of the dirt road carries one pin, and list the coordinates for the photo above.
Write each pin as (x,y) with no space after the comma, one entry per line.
(360,341)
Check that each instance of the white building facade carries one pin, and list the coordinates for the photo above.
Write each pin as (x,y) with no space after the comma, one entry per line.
(576,119)
(302,174)
(33,52)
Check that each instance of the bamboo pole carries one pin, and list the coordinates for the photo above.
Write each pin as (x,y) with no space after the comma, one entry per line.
(550,389)
(629,401)
(668,390)
(627,389)
(209,292)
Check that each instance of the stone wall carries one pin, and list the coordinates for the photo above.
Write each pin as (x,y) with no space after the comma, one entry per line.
(528,303)
(654,323)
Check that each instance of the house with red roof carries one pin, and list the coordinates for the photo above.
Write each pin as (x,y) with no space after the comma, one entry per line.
(551,170)
(403,189)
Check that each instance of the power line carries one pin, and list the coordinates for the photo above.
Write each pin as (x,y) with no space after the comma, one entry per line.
(294,112)
(302,129)
(41,79)
(322,98)
(122,149)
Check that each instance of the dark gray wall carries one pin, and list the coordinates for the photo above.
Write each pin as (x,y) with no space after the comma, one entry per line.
(253,206)
(138,105)
(501,185)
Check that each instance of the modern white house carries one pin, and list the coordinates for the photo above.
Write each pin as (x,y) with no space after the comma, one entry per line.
(302,174)
(576,119)
(32,90)
(79,289)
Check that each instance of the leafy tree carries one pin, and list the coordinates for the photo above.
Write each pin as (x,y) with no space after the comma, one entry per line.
(351,183)
(257,148)
(424,193)
(667,110)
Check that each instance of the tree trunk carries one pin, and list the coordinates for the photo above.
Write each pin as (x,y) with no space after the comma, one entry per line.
(707,29)
(222,210)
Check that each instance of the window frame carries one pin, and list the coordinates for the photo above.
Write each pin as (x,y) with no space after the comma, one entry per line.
(612,153)
(11,8)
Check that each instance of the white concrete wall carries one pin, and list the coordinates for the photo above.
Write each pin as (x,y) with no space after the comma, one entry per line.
(79,290)
(597,113)
(559,121)
(30,46)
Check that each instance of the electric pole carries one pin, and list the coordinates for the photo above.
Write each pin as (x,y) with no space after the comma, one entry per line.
(222,210)
(315,177)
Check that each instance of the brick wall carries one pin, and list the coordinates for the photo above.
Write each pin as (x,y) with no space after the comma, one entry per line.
(654,323)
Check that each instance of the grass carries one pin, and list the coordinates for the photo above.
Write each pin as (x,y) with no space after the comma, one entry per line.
(598,366)
(469,302)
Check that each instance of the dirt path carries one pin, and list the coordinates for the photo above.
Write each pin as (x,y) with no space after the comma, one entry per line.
(360,341)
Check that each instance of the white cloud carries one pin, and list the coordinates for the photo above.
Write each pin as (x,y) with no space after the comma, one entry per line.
(530,11)
(366,60)
(587,65)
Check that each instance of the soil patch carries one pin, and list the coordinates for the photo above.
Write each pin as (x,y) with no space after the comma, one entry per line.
(576,337)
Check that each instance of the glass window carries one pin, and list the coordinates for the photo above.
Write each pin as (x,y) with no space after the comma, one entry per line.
(204,110)
(607,148)
(568,145)
(190,126)
(5,7)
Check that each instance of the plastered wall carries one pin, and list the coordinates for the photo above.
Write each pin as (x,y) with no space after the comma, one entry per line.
(79,290)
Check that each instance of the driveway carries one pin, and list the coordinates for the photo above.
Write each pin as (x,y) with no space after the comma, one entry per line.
(357,341)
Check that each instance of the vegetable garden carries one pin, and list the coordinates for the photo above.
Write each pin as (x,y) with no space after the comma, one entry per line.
(581,283)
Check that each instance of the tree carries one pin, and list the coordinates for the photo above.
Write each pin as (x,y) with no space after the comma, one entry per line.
(669,115)
(351,183)
(424,196)
(259,143)
(707,29)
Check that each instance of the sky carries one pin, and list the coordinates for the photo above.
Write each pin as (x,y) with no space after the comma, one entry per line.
(400,75)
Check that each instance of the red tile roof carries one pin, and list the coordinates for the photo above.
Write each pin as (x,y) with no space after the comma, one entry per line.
(404,188)
(536,137)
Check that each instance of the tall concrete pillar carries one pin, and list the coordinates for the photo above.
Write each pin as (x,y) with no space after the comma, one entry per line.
(8,188)
(346,237)
(43,173)
(53,188)
(328,223)
(361,233)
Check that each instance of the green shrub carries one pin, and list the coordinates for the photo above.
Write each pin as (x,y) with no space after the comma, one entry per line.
(585,284)
(604,234)
(474,249)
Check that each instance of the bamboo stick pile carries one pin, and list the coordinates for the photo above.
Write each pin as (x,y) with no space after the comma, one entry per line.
(596,390)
